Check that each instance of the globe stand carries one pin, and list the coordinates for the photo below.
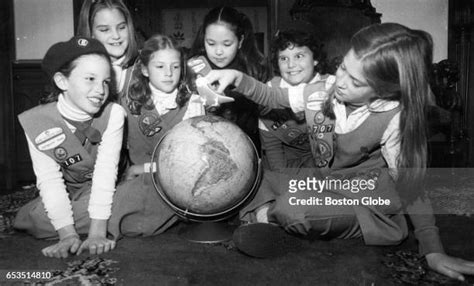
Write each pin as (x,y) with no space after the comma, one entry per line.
(203,225)
(207,232)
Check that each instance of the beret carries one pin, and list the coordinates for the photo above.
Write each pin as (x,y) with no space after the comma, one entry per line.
(63,52)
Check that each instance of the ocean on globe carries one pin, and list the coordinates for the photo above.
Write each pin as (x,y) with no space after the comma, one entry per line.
(206,165)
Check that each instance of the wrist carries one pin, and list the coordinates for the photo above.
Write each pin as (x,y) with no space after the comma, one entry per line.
(66,232)
(98,228)
(238,77)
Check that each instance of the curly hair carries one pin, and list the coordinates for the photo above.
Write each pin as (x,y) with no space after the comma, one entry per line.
(291,38)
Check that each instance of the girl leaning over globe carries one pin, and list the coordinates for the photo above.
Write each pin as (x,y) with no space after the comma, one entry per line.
(157,100)
(374,114)
(74,138)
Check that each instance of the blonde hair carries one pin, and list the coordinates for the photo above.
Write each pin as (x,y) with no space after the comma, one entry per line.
(89,10)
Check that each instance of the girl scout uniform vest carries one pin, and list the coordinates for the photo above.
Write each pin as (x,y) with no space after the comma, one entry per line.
(147,129)
(356,156)
(293,134)
(47,130)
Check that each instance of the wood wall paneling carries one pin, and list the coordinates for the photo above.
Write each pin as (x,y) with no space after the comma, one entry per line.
(461,51)
(28,85)
(6,110)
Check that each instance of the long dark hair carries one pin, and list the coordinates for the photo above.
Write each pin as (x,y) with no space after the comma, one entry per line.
(396,63)
(88,12)
(139,95)
(248,55)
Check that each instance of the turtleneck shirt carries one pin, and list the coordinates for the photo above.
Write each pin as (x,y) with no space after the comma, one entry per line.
(49,178)
(164,102)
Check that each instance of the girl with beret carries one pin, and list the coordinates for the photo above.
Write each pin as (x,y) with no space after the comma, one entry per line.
(74,137)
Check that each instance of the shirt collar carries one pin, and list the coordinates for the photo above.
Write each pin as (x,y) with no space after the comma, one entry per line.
(163,100)
(285,84)
(71,112)
(119,61)
(379,105)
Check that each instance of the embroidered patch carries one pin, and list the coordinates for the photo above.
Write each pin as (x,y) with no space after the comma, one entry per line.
(71,160)
(322,128)
(60,153)
(318,96)
(83,42)
(276,125)
(149,124)
(319,117)
(53,142)
(48,134)
(300,140)
(324,153)
(324,149)
(322,163)
(314,105)
(293,132)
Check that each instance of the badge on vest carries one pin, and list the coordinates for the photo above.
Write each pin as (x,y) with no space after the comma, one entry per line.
(276,125)
(149,124)
(71,160)
(293,132)
(50,138)
(48,134)
(319,117)
(314,105)
(60,153)
(318,96)
(324,153)
(300,140)
(322,128)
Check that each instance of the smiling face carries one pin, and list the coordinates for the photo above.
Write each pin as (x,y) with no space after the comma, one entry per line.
(87,87)
(164,69)
(296,64)
(221,44)
(351,84)
(111,29)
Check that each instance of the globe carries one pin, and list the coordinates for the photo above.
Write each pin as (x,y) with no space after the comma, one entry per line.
(207,167)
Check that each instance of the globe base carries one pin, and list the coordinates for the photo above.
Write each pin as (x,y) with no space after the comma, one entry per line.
(207,232)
